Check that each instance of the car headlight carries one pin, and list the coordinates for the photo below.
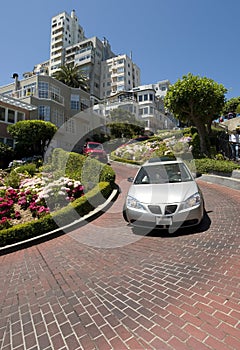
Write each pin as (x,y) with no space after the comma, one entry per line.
(135,204)
(192,201)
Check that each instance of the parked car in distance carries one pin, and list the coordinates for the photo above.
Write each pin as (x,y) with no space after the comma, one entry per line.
(15,163)
(96,150)
(25,160)
(164,195)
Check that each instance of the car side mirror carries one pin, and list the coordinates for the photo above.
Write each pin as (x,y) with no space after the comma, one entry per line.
(130,179)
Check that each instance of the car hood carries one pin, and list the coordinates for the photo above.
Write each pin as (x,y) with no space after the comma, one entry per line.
(99,151)
(163,193)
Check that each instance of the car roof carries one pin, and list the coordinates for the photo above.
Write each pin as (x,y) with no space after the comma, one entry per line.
(98,143)
(163,160)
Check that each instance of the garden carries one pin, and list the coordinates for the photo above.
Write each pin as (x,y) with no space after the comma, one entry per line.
(183,143)
(35,199)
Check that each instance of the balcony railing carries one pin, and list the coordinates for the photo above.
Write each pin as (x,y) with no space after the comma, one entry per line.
(40,94)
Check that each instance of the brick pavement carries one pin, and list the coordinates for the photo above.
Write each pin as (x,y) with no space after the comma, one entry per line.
(104,287)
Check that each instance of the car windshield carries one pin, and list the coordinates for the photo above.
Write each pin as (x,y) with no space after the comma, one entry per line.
(163,173)
(95,146)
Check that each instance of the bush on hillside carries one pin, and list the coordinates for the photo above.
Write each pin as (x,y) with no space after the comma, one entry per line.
(207,165)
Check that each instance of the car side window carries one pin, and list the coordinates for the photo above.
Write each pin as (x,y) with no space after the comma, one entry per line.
(142,177)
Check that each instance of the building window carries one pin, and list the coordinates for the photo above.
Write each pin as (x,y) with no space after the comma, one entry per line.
(121,78)
(57,117)
(29,89)
(75,102)
(43,89)
(145,97)
(11,116)
(20,116)
(120,70)
(44,113)
(9,142)
(2,114)
(70,126)
(143,111)
(151,97)
(55,93)
(140,98)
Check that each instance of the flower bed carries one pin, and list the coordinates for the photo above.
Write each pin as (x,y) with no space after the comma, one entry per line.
(35,197)
(140,152)
(55,221)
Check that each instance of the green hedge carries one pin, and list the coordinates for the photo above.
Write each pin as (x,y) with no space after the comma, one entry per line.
(207,165)
(124,160)
(64,216)
(79,167)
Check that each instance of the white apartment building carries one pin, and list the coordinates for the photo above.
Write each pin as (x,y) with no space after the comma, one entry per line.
(145,102)
(69,45)
(118,73)
(65,31)
(93,56)
(106,72)
(88,56)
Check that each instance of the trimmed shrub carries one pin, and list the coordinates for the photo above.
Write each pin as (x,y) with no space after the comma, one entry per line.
(13,179)
(207,165)
(28,169)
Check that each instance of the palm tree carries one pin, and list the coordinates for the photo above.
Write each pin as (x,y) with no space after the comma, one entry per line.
(72,76)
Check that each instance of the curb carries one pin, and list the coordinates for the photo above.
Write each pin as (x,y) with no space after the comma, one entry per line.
(231,182)
(61,230)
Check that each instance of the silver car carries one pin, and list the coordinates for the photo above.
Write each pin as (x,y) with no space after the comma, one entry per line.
(164,195)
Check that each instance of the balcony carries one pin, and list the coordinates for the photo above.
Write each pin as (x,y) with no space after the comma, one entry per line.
(39,94)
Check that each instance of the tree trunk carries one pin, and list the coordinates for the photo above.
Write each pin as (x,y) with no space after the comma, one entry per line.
(204,144)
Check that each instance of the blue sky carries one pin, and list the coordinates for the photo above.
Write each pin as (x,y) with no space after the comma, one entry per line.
(167,38)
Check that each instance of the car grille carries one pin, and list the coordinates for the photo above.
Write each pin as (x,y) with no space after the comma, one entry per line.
(155,209)
(170,209)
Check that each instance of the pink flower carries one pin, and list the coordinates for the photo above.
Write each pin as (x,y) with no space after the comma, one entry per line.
(42,209)
(4,219)
(17,215)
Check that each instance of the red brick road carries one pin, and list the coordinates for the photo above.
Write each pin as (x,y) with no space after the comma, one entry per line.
(105,287)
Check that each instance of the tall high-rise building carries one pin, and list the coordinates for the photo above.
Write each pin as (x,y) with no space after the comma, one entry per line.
(65,31)
(93,56)
(88,56)
(118,73)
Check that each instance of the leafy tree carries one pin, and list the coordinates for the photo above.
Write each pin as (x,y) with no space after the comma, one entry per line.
(122,123)
(32,137)
(72,76)
(231,106)
(238,109)
(196,101)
